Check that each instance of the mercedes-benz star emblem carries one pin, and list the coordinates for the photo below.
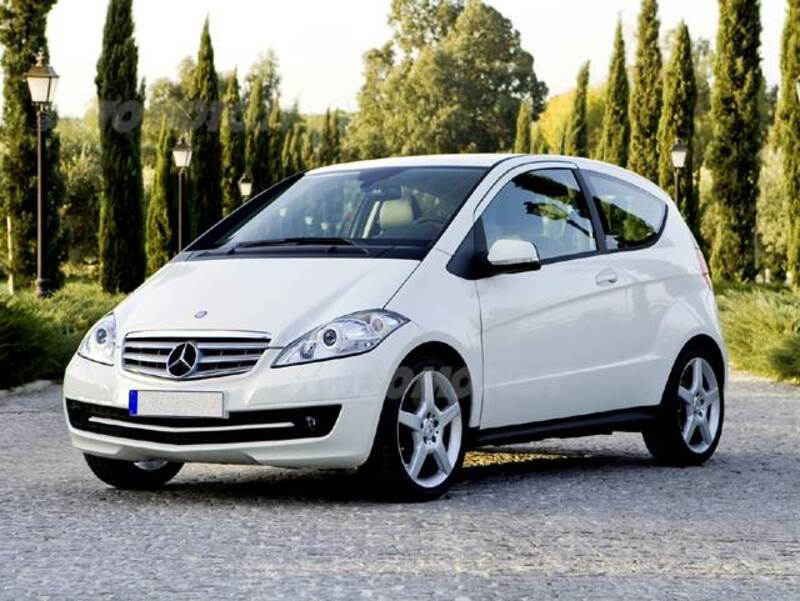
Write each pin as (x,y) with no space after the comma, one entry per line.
(183,359)
(200,314)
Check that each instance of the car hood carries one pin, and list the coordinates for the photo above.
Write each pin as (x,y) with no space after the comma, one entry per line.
(283,296)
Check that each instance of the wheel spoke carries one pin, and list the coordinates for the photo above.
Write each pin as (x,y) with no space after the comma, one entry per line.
(686,395)
(688,429)
(449,414)
(712,397)
(410,420)
(441,457)
(705,431)
(417,458)
(427,403)
(697,375)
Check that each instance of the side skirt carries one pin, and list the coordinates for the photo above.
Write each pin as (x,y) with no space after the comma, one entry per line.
(608,422)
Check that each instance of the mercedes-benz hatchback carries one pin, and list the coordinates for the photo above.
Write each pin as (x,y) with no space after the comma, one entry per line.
(388,315)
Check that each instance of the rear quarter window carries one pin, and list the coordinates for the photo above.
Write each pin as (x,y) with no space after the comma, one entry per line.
(632,218)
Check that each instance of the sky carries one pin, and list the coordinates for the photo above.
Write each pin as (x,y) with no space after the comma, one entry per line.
(320,43)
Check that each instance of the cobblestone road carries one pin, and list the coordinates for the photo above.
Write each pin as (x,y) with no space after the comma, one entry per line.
(589,518)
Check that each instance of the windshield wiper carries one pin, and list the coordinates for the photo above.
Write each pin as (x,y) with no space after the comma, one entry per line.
(332,241)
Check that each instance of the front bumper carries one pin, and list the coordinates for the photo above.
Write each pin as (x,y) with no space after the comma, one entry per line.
(269,412)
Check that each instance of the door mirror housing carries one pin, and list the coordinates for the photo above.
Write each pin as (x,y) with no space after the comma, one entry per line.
(511,256)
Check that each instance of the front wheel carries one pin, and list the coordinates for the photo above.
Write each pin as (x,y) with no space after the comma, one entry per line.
(419,445)
(689,424)
(133,475)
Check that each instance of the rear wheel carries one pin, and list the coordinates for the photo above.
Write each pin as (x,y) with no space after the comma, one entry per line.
(689,424)
(419,445)
(138,475)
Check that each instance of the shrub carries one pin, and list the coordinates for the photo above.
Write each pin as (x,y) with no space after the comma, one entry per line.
(762,329)
(38,337)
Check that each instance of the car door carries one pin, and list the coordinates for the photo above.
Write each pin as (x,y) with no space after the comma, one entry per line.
(553,339)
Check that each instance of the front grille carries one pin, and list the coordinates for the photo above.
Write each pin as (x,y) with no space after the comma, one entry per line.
(239,426)
(217,355)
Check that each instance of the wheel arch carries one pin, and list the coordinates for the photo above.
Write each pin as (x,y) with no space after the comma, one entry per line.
(707,343)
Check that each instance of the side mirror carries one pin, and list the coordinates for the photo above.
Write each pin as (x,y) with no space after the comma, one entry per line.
(510,256)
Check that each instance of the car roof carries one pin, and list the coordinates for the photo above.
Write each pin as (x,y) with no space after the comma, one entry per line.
(489,160)
(438,160)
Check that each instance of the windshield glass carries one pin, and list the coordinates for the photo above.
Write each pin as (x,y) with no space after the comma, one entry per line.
(379,206)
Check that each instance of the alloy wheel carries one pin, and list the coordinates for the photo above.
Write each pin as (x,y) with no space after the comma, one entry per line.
(429,429)
(699,409)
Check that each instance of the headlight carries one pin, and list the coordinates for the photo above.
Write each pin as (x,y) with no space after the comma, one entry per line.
(98,344)
(349,335)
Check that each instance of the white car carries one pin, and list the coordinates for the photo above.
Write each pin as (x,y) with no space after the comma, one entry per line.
(390,314)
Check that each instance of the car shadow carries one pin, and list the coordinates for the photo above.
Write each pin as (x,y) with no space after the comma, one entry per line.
(489,467)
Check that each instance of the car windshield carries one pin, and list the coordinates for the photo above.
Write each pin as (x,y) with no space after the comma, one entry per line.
(365,208)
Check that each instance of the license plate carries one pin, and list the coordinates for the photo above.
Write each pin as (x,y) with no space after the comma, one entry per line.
(175,404)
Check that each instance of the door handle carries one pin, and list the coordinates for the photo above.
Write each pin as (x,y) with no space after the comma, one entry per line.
(607,277)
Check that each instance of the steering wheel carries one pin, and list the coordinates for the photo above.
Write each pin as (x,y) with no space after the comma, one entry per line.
(434,220)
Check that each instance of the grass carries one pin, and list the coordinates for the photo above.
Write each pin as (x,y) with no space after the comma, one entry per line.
(38,337)
(762,329)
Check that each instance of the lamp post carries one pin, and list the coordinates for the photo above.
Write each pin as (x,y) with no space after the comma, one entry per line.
(42,83)
(182,155)
(678,153)
(245,187)
(797,88)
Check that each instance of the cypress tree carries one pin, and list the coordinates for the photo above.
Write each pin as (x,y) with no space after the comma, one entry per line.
(734,153)
(645,105)
(122,262)
(677,121)
(276,140)
(539,143)
(257,139)
(577,140)
(789,131)
(298,148)
(308,151)
(522,142)
(328,141)
(616,132)
(206,166)
(232,140)
(158,244)
(287,154)
(22,34)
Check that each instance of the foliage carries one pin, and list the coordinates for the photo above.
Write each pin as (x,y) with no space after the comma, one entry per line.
(22,34)
(122,262)
(275,139)
(772,209)
(788,122)
(206,163)
(265,68)
(257,164)
(407,102)
(232,140)
(762,329)
(646,97)
(539,144)
(522,141)
(329,147)
(577,139)
(554,121)
(38,337)
(734,154)
(420,23)
(160,237)
(677,122)
(616,133)
(80,168)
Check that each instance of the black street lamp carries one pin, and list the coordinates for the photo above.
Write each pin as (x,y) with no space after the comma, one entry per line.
(182,155)
(42,83)
(245,187)
(797,88)
(678,153)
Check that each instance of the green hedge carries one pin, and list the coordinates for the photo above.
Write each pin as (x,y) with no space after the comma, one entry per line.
(762,329)
(38,337)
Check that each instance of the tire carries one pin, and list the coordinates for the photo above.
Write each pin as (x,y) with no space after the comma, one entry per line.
(419,447)
(129,475)
(688,427)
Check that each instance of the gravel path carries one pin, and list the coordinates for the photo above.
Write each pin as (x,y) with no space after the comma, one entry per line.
(585,519)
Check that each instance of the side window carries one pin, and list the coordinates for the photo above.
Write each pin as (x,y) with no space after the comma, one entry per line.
(545,207)
(631,217)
